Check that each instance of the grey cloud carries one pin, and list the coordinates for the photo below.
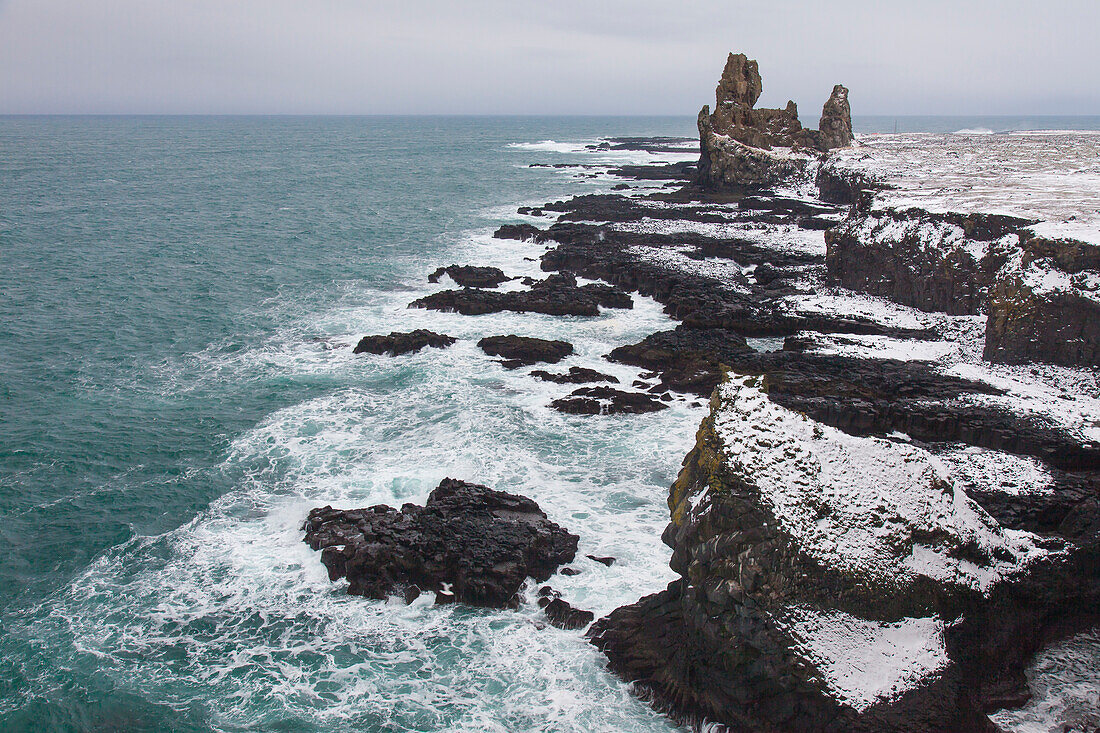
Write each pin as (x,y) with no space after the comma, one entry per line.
(565,57)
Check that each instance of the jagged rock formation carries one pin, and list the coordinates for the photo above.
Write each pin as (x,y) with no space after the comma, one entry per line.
(836,120)
(398,343)
(736,139)
(837,583)
(560,612)
(467,543)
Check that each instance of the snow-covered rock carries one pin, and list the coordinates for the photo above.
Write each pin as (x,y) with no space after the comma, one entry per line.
(835,582)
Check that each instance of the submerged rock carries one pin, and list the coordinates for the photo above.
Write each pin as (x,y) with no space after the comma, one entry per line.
(468,543)
(607,401)
(518,351)
(403,343)
(575,375)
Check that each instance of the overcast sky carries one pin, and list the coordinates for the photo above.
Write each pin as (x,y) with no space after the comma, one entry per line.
(548,57)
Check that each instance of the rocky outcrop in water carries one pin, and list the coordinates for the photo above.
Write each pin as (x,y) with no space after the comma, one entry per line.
(560,612)
(468,543)
(471,276)
(607,401)
(575,375)
(517,351)
(398,343)
(557,295)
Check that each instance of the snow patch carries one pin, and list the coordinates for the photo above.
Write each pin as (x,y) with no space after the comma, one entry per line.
(865,662)
(879,511)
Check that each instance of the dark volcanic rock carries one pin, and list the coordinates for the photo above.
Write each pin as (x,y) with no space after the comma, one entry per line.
(836,120)
(561,614)
(607,401)
(575,375)
(468,540)
(522,232)
(1058,325)
(689,359)
(403,343)
(713,644)
(935,262)
(557,295)
(520,351)
(734,140)
(471,276)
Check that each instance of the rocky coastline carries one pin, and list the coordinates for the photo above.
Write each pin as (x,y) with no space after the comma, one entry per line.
(894,500)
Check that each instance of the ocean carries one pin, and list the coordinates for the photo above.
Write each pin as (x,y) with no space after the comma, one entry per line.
(179,298)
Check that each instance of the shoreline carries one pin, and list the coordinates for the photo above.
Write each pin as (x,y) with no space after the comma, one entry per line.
(659,245)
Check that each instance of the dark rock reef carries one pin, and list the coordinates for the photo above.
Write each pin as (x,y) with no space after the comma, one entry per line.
(607,401)
(468,543)
(575,375)
(471,276)
(517,351)
(557,295)
(398,343)
(560,612)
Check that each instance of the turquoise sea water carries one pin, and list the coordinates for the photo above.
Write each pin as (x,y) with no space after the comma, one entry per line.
(178,302)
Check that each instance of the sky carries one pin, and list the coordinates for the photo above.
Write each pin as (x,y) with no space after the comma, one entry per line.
(629,57)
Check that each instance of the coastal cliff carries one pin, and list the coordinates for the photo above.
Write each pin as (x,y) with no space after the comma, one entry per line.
(950,239)
(849,557)
(833,582)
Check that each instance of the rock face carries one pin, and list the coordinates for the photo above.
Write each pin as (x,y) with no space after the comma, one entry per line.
(935,262)
(402,343)
(467,543)
(734,140)
(557,295)
(837,583)
(520,351)
(1045,304)
(1041,293)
